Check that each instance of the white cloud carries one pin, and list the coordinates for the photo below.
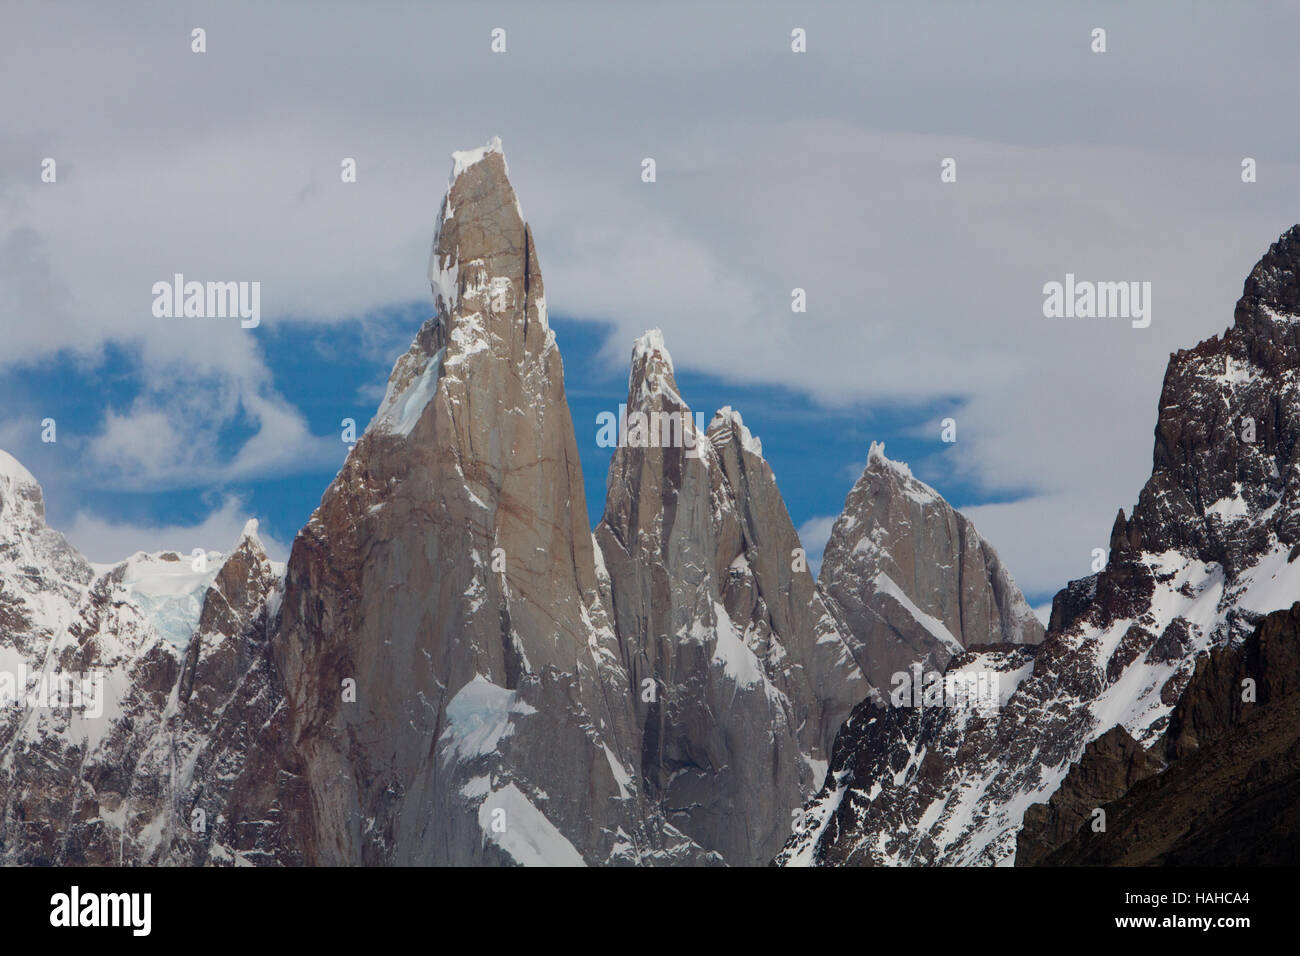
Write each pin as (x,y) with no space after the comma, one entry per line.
(1044,613)
(170,436)
(106,542)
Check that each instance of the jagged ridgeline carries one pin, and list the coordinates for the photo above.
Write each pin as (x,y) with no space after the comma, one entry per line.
(1161,671)
(452,668)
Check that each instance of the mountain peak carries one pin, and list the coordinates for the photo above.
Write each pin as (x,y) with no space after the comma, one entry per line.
(481,244)
(250,539)
(1273,286)
(651,373)
(728,418)
(878,460)
(487,288)
(912,576)
(879,465)
(18,485)
(648,343)
(462,160)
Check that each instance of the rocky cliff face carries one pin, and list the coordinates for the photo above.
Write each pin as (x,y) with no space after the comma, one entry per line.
(1208,550)
(1110,765)
(745,673)
(913,579)
(78,665)
(455,689)
(144,730)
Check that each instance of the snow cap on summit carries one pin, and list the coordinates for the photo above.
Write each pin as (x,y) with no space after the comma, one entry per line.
(876,456)
(462,160)
(478,192)
(651,370)
(727,414)
(652,340)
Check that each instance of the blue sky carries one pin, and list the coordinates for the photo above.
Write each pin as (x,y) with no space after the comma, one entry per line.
(339,371)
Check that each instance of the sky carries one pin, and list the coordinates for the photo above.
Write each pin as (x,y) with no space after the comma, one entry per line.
(775,170)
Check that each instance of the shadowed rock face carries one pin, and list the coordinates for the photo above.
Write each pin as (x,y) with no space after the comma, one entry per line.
(1109,766)
(913,579)
(1230,793)
(716,611)
(1209,549)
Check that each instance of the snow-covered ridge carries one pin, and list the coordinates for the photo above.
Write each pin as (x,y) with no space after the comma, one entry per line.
(167,587)
(648,347)
(11,469)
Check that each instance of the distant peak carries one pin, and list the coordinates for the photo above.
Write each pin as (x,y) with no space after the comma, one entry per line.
(876,456)
(726,416)
(1274,283)
(879,464)
(250,542)
(651,374)
(464,159)
(649,343)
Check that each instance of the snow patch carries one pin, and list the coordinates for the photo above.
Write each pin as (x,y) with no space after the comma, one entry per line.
(479,717)
(169,592)
(462,160)
(885,584)
(509,819)
(399,413)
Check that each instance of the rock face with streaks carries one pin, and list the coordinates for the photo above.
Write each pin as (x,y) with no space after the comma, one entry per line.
(913,579)
(455,689)
(746,675)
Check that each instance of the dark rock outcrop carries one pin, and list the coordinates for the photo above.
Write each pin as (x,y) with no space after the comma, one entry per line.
(1230,794)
